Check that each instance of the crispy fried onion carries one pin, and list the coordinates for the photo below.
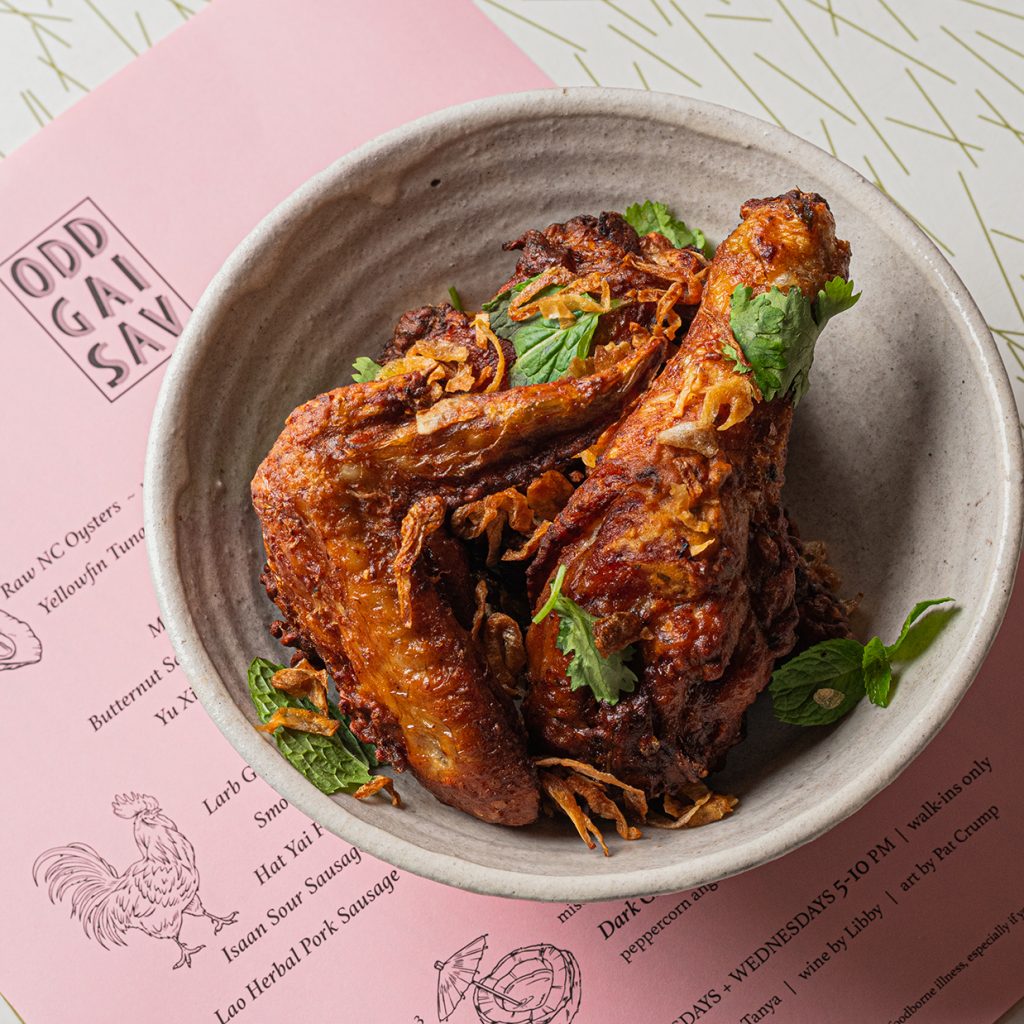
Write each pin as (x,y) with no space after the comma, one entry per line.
(563,780)
(573,297)
(425,516)
(603,357)
(566,779)
(301,720)
(489,516)
(689,436)
(529,546)
(303,681)
(698,531)
(484,337)
(410,363)
(733,395)
(480,594)
(549,494)
(590,456)
(705,808)
(446,364)
(667,321)
(675,269)
(505,652)
(375,785)
(736,394)
(697,513)
(528,515)
(634,798)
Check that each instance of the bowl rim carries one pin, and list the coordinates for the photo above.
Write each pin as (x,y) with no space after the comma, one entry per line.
(166,475)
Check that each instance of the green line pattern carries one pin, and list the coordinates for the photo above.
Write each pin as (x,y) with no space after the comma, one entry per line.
(54,52)
(925,99)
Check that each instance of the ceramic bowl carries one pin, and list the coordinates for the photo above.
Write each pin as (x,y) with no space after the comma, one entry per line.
(905,457)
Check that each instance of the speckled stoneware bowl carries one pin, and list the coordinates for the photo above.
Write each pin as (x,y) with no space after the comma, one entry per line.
(905,457)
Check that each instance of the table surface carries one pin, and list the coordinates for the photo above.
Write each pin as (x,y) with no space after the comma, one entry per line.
(925,100)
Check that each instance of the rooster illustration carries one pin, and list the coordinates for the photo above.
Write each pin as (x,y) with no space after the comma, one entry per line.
(152,894)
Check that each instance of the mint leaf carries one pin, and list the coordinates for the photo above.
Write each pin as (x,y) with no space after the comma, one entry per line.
(608,678)
(366,370)
(455,298)
(777,332)
(915,613)
(647,217)
(544,349)
(329,762)
(820,685)
(877,672)
(824,682)
(497,308)
(366,752)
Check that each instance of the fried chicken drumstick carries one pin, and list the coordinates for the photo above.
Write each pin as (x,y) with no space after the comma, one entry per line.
(677,542)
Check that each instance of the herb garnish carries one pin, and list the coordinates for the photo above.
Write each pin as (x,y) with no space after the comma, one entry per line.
(777,331)
(823,683)
(331,763)
(608,677)
(455,298)
(497,309)
(647,217)
(544,349)
(366,370)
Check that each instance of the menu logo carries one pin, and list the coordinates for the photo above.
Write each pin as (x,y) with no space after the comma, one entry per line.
(98,297)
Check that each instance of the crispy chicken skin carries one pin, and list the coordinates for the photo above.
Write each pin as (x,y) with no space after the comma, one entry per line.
(352,500)
(678,542)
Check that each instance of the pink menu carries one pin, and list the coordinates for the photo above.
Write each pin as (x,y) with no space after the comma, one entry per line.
(112,221)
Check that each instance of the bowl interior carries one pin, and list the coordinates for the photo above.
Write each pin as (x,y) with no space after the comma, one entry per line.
(900,458)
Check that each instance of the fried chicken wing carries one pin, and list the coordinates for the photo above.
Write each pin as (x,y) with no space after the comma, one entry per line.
(677,541)
(353,499)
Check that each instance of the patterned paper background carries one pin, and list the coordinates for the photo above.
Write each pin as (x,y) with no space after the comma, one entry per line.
(923,97)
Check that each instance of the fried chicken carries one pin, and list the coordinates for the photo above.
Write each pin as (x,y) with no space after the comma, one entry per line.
(353,499)
(387,506)
(677,542)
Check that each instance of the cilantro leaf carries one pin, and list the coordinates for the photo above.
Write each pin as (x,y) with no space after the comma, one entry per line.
(777,332)
(877,672)
(647,217)
(836,297)
(823,683)
(553,595)
(544,349)
(730,353)
(819,685)
(366,370)
(331,763)
(608,678)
